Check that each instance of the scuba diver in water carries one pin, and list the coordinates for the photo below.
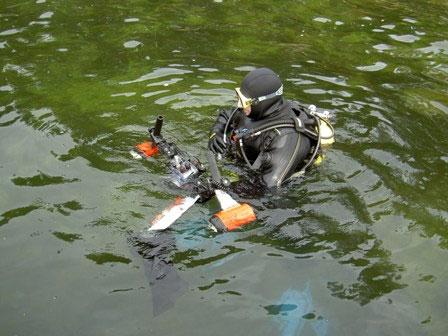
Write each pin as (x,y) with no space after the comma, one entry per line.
(274,136)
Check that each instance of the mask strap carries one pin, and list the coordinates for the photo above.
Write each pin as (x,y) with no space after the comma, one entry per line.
(279,92)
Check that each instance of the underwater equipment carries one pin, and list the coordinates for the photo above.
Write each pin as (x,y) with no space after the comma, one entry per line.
(233,215)
(326,130)
(183,168)
(317,127)
(185,172)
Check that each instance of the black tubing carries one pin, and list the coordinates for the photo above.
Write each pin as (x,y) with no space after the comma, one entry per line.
(227,125)
(272,124)
(158,126)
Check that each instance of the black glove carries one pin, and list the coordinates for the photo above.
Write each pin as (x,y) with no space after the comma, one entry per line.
(216,144)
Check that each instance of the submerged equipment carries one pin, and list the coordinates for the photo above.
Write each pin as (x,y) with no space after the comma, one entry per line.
(183,168)
(233,214)
(185,172)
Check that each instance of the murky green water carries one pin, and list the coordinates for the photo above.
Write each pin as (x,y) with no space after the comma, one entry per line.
(358,247)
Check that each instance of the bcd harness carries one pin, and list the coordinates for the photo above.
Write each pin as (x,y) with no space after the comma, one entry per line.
(310,128)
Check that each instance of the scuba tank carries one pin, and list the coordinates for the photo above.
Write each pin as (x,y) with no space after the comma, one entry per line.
(326,130)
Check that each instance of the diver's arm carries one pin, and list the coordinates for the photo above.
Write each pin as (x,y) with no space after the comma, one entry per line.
(217,143)
(221,121)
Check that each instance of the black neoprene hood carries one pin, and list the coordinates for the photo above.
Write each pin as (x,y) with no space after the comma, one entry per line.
(257,83)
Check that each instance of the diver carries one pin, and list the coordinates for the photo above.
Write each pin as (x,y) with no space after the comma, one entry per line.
(274,136)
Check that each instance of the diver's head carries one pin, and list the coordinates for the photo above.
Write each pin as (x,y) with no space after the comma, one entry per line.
(260,89)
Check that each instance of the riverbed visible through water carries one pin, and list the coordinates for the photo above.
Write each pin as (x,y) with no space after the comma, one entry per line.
(358,246)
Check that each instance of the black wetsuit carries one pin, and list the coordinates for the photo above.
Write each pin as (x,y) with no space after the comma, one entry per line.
(275,154)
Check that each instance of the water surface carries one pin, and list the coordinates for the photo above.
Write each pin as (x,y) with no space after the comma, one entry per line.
(357,247)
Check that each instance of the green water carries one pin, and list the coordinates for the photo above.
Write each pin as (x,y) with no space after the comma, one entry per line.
(357,247)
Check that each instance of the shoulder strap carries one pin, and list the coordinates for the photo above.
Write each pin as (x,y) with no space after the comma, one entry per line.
(299,108)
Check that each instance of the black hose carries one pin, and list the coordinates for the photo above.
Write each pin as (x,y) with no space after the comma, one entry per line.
(227,125)
(243,152)
(267,126)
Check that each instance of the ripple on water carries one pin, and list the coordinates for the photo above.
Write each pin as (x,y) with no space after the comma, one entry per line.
(198,98)
(219,81)
(158,73)
(339,80)
(407,38)
(46,15)
(13,31)
(438,47)
(46,38)
(123,94)
(154,93)
(399,168)
(7,88)
(322,19)
(316,91)
(208,69)
(166,82)
(383,47)
(300,81)
(245,68)
(440,106)
(18,69)
(129,20)
(374,67)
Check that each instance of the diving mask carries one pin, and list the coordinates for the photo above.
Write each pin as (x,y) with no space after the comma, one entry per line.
(244,101)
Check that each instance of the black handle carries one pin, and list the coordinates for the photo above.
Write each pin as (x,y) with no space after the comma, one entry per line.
(158,126)
(216,175)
